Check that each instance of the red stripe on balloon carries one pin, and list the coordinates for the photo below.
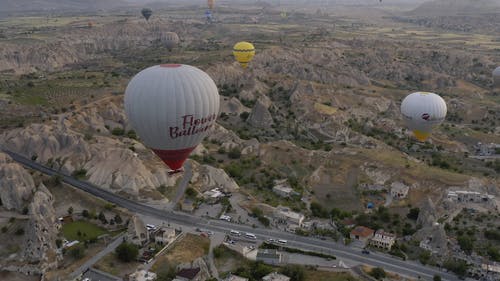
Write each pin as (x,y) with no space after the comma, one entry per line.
(174,158)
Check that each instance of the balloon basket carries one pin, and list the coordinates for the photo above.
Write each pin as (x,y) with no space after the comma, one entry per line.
(173,172)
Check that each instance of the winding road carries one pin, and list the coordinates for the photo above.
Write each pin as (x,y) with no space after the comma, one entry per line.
(406,268)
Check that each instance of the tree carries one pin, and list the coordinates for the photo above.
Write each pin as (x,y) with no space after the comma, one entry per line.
(101,216)
(118,219)
(59,243)
(295,272)
(19,231)
(413,214)
(70,210)
(85,213)
(127,252)
(466,244)
(378,273)
(318,211)
(436,278)
(25,210)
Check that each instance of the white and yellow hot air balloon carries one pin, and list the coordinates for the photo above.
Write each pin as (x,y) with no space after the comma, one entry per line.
(172,107)
(422,111)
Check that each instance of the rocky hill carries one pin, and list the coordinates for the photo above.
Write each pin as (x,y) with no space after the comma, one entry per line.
(36,246)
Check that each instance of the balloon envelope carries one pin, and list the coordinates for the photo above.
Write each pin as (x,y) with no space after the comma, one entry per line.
(422,111)
(170,39)
(496,77)
(210,4)
(243,53)
(172,107)
(146,13)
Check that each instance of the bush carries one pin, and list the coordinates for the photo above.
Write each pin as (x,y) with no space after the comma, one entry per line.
(131,134)
(436,278)
(58,243)
(459,267)
(295,272)
(4,229)
(70,210)
(127,252)
(190,192)
(79,174)
(19,231)
(378,273)
(25,210)
(77,252)
(244,115)
(265,221)
(466,244)
(118,219)
(234,153)
(118,131)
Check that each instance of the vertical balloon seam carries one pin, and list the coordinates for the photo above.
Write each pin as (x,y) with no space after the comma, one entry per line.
(195,94)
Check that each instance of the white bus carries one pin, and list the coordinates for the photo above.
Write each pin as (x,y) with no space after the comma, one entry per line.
(250,236)
(281,241)
(235,233)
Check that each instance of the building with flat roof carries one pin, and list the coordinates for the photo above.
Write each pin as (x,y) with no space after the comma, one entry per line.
(383,239)
(269,256)
(285,215)
(189,274)
(142,275)
(232,277)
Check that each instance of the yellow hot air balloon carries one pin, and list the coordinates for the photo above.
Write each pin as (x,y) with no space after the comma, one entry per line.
(244,52)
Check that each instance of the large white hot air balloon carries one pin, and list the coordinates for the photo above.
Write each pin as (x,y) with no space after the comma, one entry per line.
(496,77)
(172,107)
(422,111)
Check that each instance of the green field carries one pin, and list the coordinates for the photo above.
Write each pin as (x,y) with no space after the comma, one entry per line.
(88,230)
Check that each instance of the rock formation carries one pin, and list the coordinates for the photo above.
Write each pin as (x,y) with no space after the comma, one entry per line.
(16,184)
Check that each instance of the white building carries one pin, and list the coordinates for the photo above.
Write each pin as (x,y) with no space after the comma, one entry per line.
(493,267)
(285,215)
(469,196)
(283,189)
(275,276)
(164,235)
(213,196)
(399,190)
(383,239)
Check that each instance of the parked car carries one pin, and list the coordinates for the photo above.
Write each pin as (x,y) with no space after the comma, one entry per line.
(365,251)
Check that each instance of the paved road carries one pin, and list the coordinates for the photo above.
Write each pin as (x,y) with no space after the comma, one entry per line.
(407,268)
(110,248)
(181,189)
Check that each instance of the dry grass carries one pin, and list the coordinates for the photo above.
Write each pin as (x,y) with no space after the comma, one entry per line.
(112,265)
(313,275)
(186,250)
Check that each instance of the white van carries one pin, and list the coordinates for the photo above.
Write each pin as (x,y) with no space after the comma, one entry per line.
(250,236)
(235,233)
(150,226)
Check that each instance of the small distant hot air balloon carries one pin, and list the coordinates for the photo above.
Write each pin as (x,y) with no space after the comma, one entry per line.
(171,40)
(243,53)
(146,13)
(208,15)
(422,111)
(283,14)
(496,77)
(172,107)
(211,4)
(90,24)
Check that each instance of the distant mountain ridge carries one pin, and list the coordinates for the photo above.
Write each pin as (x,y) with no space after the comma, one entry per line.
(47,5)
(455,7)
